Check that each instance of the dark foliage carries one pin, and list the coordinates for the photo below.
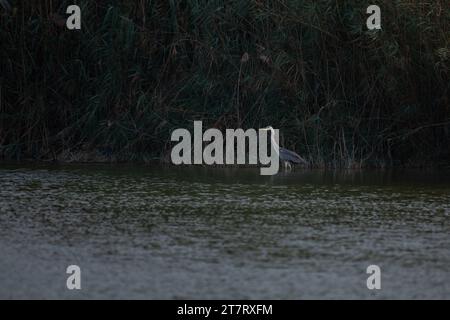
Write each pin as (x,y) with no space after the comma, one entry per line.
(342,96)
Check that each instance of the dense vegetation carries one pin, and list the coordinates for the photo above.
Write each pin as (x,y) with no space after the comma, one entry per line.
(340,94)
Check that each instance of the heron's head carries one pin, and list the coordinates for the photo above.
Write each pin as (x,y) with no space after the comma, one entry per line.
(269,128)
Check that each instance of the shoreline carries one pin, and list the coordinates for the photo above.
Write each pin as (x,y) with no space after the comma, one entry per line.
(156,162)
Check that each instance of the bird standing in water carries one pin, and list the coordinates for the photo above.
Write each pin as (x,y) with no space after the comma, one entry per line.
(288,157)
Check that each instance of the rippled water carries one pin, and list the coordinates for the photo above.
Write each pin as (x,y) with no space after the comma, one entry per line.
(159,232)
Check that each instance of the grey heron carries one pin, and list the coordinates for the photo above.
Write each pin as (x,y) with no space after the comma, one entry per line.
(288,157)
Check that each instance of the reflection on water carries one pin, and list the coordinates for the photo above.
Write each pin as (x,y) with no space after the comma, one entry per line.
(161,232)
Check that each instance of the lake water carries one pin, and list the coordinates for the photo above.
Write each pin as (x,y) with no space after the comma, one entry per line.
(208,233)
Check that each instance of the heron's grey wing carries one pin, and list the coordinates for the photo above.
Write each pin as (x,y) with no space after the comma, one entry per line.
(288,155)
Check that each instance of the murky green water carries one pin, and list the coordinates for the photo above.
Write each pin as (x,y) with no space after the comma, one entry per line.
(140,232)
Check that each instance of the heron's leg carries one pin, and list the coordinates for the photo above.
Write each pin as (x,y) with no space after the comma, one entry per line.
(287,166)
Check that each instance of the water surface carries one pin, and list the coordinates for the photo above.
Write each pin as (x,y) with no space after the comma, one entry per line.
(208,233)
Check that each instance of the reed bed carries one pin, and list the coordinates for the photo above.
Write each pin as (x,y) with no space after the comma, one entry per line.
(341,95)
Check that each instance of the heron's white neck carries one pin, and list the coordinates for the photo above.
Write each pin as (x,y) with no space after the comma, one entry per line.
(272,139)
